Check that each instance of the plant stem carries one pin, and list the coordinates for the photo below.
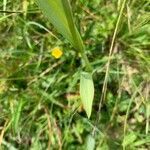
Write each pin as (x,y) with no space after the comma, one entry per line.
(86,60)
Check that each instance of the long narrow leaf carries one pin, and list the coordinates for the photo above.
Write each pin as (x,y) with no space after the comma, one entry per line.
(56,13)
(75,34)
(16,116)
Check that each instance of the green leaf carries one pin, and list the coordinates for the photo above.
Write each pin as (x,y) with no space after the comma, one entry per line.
(141,142)
(59,14)
(90,143)
(87,92)
(129,139)
(75,34)
(16,116)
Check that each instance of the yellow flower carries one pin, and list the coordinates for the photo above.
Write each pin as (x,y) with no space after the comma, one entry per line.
(56,52)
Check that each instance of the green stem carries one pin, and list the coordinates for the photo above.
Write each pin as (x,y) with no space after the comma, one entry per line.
(86,60)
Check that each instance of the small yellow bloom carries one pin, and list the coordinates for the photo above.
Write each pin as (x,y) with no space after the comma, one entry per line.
(57,52)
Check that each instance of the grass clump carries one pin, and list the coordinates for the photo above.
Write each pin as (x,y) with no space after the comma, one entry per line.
(40,106)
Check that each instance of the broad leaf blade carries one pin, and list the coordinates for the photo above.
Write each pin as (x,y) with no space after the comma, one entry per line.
(87,92)
(55,11)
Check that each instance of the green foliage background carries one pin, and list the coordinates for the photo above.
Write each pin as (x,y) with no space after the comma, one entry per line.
(40,107)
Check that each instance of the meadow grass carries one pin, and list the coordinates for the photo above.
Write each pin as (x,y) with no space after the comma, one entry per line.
(40,106)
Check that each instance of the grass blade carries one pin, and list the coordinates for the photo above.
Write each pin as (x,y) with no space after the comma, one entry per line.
(16,116)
